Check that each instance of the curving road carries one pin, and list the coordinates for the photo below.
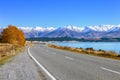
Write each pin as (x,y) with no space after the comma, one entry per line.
(65,65)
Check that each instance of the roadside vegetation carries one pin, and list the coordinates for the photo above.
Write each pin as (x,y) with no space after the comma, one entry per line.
(89,51)
(12,41)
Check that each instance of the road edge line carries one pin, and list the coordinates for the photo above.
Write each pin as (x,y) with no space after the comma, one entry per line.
(41,66)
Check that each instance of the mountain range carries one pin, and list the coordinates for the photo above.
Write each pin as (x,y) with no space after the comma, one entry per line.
(99,31)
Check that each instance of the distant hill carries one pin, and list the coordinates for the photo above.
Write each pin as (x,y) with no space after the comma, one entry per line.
(74,39)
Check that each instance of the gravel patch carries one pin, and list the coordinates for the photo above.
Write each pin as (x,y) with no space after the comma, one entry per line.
(21,67)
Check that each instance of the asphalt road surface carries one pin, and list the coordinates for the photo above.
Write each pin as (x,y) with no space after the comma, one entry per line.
(65,65)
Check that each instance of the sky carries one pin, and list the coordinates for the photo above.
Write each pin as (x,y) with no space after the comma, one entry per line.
(58,13)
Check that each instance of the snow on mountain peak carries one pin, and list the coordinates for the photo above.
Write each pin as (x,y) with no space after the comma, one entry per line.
(118,25)
(26,29)
(101,27)
(75,28)
(50,28)
(37,28)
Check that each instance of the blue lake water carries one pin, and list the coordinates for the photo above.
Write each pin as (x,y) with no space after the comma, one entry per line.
(108,46)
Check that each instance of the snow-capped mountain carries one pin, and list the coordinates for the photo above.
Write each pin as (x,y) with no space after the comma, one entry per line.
(79,32)
(32,32)
(74,28)
(37,28)
(61,32)
(101,28)
(99,31)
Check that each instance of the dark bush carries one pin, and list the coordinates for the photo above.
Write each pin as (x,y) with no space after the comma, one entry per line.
(118,55)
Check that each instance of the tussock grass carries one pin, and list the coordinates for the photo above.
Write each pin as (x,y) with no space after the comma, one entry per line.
(89,51)
(7,51)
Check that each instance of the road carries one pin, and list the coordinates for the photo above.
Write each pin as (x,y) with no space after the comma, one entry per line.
(65,65)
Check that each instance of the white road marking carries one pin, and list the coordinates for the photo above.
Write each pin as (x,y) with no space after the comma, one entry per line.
(40,65)
(47,50)
(53,53)
(110,70)
(69,58)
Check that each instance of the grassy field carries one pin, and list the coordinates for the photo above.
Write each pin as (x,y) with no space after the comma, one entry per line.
(89,51)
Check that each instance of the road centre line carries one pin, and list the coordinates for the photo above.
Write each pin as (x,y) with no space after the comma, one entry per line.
(69,58)
(53,53)
(110,70)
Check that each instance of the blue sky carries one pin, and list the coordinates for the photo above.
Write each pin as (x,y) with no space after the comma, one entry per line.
(58,13)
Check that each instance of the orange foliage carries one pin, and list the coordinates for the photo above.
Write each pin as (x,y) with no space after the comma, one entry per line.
(13,35)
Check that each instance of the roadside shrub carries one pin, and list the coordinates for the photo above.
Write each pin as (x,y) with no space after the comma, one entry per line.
(13,35)
(89,48)
(118,55)
(100,50)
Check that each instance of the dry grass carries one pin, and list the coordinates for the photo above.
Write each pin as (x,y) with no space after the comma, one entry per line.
(89,51)
(7,51)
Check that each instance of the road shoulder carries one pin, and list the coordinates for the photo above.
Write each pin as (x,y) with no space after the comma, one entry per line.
(21,67)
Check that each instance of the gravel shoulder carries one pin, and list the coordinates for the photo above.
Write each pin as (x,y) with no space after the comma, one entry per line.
(21,67)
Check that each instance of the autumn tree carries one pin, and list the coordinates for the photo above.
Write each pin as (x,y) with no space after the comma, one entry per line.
(13,35)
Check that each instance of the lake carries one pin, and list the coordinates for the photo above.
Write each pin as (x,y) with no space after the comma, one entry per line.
(108,46)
